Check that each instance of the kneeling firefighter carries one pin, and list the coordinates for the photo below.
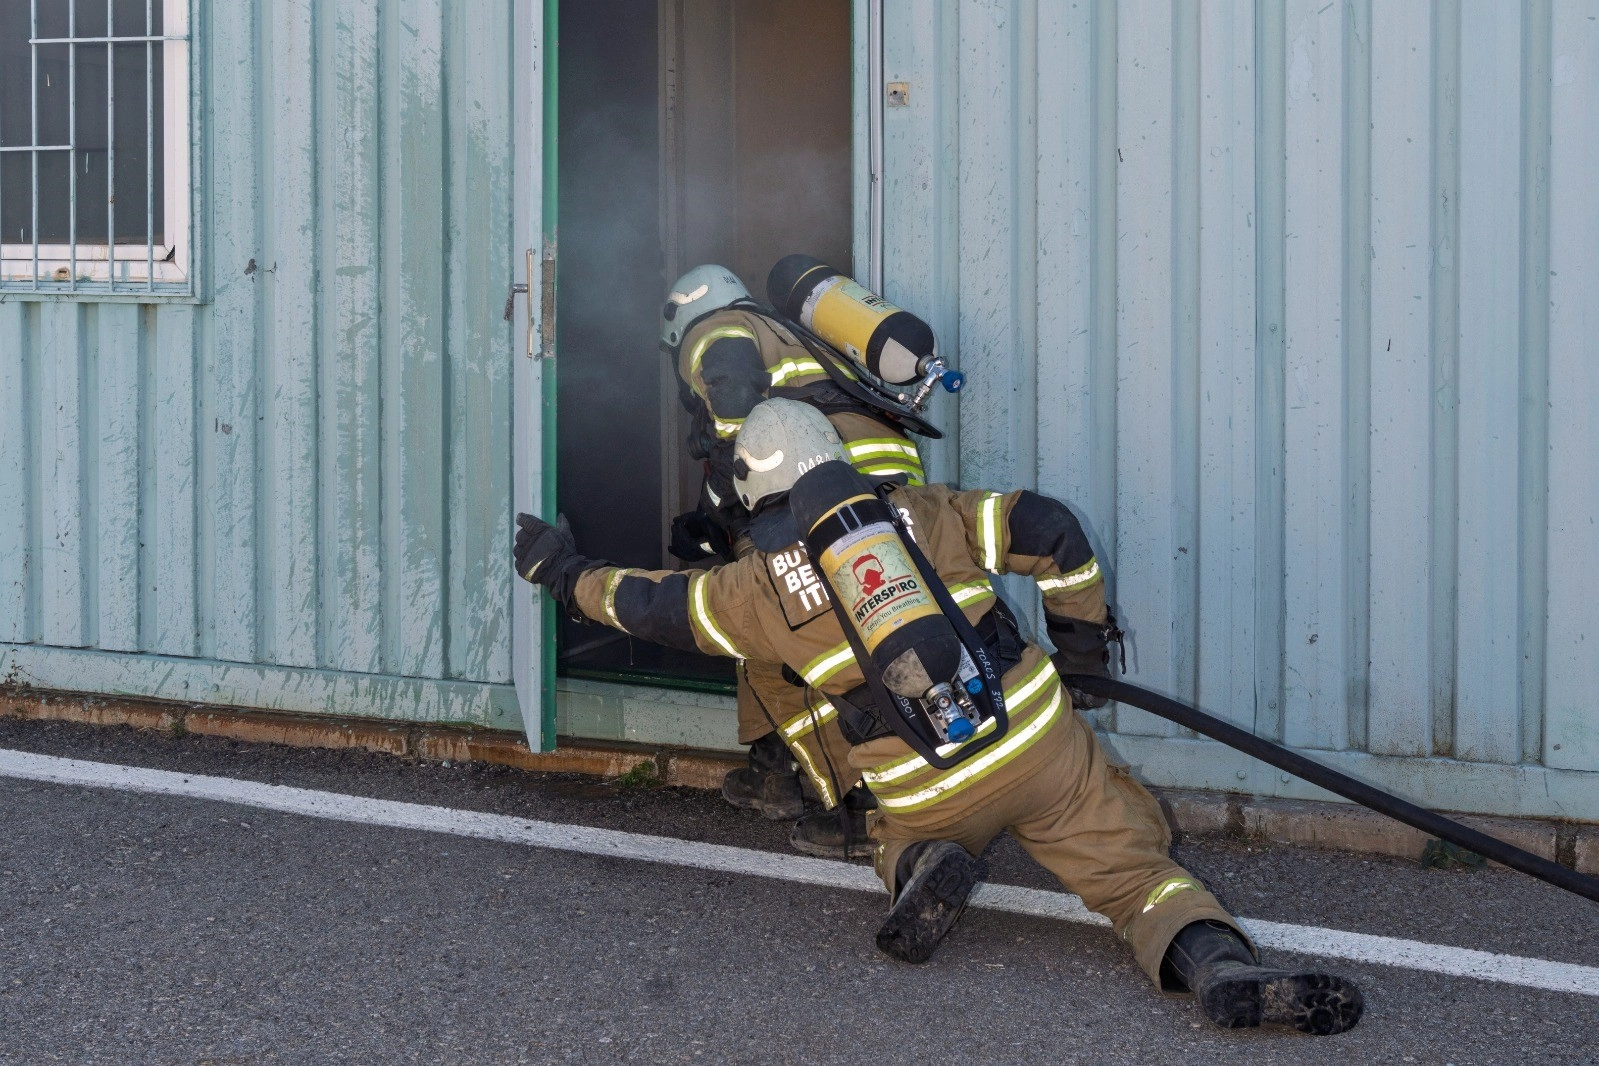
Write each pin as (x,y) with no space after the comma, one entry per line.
(961,728)
(730,354)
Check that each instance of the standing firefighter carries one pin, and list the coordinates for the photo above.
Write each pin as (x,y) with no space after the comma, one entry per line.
(731,354)
(1033,769)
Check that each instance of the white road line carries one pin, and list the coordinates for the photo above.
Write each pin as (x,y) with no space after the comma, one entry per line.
(612,843)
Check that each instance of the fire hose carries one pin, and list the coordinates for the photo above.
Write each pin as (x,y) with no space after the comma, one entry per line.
(1340,784)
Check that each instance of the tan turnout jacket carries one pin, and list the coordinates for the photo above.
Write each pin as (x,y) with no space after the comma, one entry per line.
(769,606)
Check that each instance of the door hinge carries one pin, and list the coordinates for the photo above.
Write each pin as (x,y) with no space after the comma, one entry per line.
(546,301)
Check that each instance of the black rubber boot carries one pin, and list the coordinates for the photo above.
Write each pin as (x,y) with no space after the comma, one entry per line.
(933,880)
(839,833)
(769,784)
(1236,993)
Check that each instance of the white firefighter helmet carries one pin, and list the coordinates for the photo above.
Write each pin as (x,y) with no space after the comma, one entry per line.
(779,441)
(700,292)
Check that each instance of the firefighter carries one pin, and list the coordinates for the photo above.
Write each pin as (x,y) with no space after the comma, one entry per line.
(730,354)
(1046,781)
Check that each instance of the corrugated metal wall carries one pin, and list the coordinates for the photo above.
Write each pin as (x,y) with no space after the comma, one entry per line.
(1296,301)
(309,467)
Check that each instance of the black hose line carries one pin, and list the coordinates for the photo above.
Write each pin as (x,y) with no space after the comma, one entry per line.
(1333,781)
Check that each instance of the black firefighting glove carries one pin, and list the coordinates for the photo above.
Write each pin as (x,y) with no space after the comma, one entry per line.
(547,556)
(1084,648)
(696,536)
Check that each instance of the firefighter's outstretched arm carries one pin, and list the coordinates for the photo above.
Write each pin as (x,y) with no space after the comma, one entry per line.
(701,610)
(1025,533)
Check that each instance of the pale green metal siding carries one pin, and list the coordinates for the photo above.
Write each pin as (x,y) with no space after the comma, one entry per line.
(291,492)
(1295,302)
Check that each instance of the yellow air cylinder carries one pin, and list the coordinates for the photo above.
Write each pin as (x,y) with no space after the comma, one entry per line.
(888,341)
(850,534)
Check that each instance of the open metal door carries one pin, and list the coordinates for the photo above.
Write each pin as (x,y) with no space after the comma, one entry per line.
(533,381)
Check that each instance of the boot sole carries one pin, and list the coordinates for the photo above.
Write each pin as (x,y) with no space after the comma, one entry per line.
(1314,1003)
(858,850)
(929,907)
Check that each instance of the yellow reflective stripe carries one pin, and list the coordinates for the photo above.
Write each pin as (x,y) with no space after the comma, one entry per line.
(793,368)
(1017,698)
(880,446)
(979,766)
(697,352)
(901,462)
(988,532)
(885,469)
(970,592)
(707,624)
(906,765)
(1083,575)
(797,729)
(1167,889)
(803,723)
(727,429)
(823,790)
(828,663)
(609,603)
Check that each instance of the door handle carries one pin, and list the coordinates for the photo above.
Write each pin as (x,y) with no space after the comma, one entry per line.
(518,289)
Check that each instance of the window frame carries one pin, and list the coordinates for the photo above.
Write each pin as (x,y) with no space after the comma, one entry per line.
(97,263)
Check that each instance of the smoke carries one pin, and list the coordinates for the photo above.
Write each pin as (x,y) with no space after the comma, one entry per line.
(762,168)
(610,285)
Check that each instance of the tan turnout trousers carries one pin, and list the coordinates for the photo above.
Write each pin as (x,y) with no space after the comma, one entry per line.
(816,744)
(1046,781)
(1084,820)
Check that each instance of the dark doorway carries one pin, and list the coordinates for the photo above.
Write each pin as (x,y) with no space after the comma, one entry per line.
(690,131)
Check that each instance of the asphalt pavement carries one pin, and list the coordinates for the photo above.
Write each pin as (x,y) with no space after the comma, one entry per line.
(151,929)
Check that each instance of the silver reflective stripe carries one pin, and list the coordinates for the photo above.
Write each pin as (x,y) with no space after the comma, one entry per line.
(860,449)
(803,723)
(980,764)
(793,368)
(609,602)
(1083,575)
(826,665)
(964,594)
(988,532)
(798,728)
(910,764)
(1166,890)
(707,624)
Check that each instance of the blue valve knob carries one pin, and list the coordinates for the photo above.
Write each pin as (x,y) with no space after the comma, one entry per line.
(974,685)
(952,380)
(960,731)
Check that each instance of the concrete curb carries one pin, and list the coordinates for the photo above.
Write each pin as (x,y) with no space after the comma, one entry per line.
(1200,815)
(672,766)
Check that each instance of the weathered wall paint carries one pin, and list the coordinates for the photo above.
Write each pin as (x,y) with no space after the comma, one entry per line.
(1294,302)
(308,469)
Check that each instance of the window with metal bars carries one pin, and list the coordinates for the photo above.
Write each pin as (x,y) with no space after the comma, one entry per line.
(94,146)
